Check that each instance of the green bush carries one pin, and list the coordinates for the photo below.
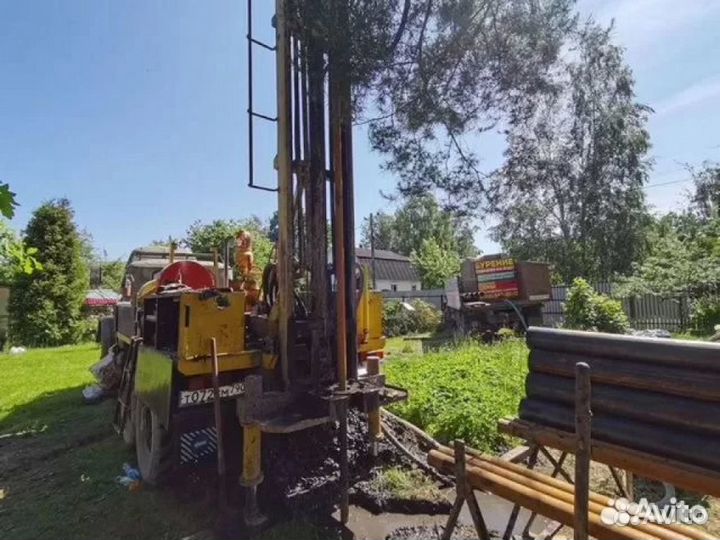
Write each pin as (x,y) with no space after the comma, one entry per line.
(44,307)
(463,392)
(705,314)
(506,333)
(400,321)
(586,309)
(87,329)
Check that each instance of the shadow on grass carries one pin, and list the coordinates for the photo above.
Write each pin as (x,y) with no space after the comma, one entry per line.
(50,424)
(59,459)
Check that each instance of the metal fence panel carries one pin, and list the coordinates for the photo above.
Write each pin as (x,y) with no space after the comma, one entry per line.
(431,296)
(644,312)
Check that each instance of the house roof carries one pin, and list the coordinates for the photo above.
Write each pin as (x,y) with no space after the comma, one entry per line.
(364,253)
(101,297)
(389,265)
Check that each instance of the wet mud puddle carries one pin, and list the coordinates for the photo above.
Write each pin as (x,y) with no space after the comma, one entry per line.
(365,525)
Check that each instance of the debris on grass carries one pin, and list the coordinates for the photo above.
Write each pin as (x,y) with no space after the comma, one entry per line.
(130,478)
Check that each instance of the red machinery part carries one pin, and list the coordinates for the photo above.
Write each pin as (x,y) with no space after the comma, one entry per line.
(189,273)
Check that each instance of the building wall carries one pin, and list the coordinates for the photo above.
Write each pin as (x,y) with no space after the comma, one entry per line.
(436,297)
(387,285)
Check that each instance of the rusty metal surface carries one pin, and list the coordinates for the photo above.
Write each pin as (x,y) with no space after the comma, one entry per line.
(651,395)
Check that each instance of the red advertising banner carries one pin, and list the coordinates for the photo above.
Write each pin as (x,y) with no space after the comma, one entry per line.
(497,278)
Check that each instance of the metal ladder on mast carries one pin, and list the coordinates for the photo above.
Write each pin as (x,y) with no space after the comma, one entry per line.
(252,114)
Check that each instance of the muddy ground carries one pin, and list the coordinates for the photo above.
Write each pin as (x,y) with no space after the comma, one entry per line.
(301,482)
(394,495)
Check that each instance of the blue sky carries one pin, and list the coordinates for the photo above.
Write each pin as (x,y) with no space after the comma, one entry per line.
(135,110)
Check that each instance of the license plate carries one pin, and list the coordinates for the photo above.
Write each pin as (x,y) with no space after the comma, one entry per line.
(188,398)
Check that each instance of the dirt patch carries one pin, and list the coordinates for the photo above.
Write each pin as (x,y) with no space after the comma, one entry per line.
(299,482)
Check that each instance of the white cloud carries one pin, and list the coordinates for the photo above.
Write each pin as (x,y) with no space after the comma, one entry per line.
(641,24)
(688,97)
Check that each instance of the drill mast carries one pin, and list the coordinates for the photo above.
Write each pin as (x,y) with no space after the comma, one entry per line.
(316,279)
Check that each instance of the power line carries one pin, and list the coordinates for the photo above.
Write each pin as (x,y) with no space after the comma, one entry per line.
(668,183)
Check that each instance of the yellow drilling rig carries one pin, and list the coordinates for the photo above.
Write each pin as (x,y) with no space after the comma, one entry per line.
(210,369)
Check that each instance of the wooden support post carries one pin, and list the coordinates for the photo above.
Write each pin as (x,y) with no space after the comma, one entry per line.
(557,465)
(619,480)
(582,455)
(557,469)
(532,460)
(464,493)
(630,485)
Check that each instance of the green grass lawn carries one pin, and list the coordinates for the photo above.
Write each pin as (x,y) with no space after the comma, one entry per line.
(59,459)
(403,346)
(462,392)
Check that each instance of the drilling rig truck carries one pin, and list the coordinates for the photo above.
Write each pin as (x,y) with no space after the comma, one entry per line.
(494,292)
(208,369)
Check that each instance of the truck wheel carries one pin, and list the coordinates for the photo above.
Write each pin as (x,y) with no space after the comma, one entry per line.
(128,433)
(152,446)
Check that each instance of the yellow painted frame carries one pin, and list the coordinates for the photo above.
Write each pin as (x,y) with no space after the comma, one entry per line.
(370,320)
(202,319)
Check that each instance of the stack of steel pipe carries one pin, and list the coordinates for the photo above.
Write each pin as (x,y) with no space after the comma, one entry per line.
(654,395)
(551,497)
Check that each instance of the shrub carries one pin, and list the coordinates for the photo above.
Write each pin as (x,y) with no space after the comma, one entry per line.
(44,306)
(462,392)
(586,309)
(506,333)
(705,314)
(400,321)
(87,329)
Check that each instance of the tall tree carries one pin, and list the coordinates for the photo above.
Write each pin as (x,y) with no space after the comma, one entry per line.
(684,254)
(204,237)
(274,227)
(421,218)
(44,306)
(7,201)
(111,274)
(571,189)
(15,257)
(705,202)
(435,264)
(426,73)
(684,247)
